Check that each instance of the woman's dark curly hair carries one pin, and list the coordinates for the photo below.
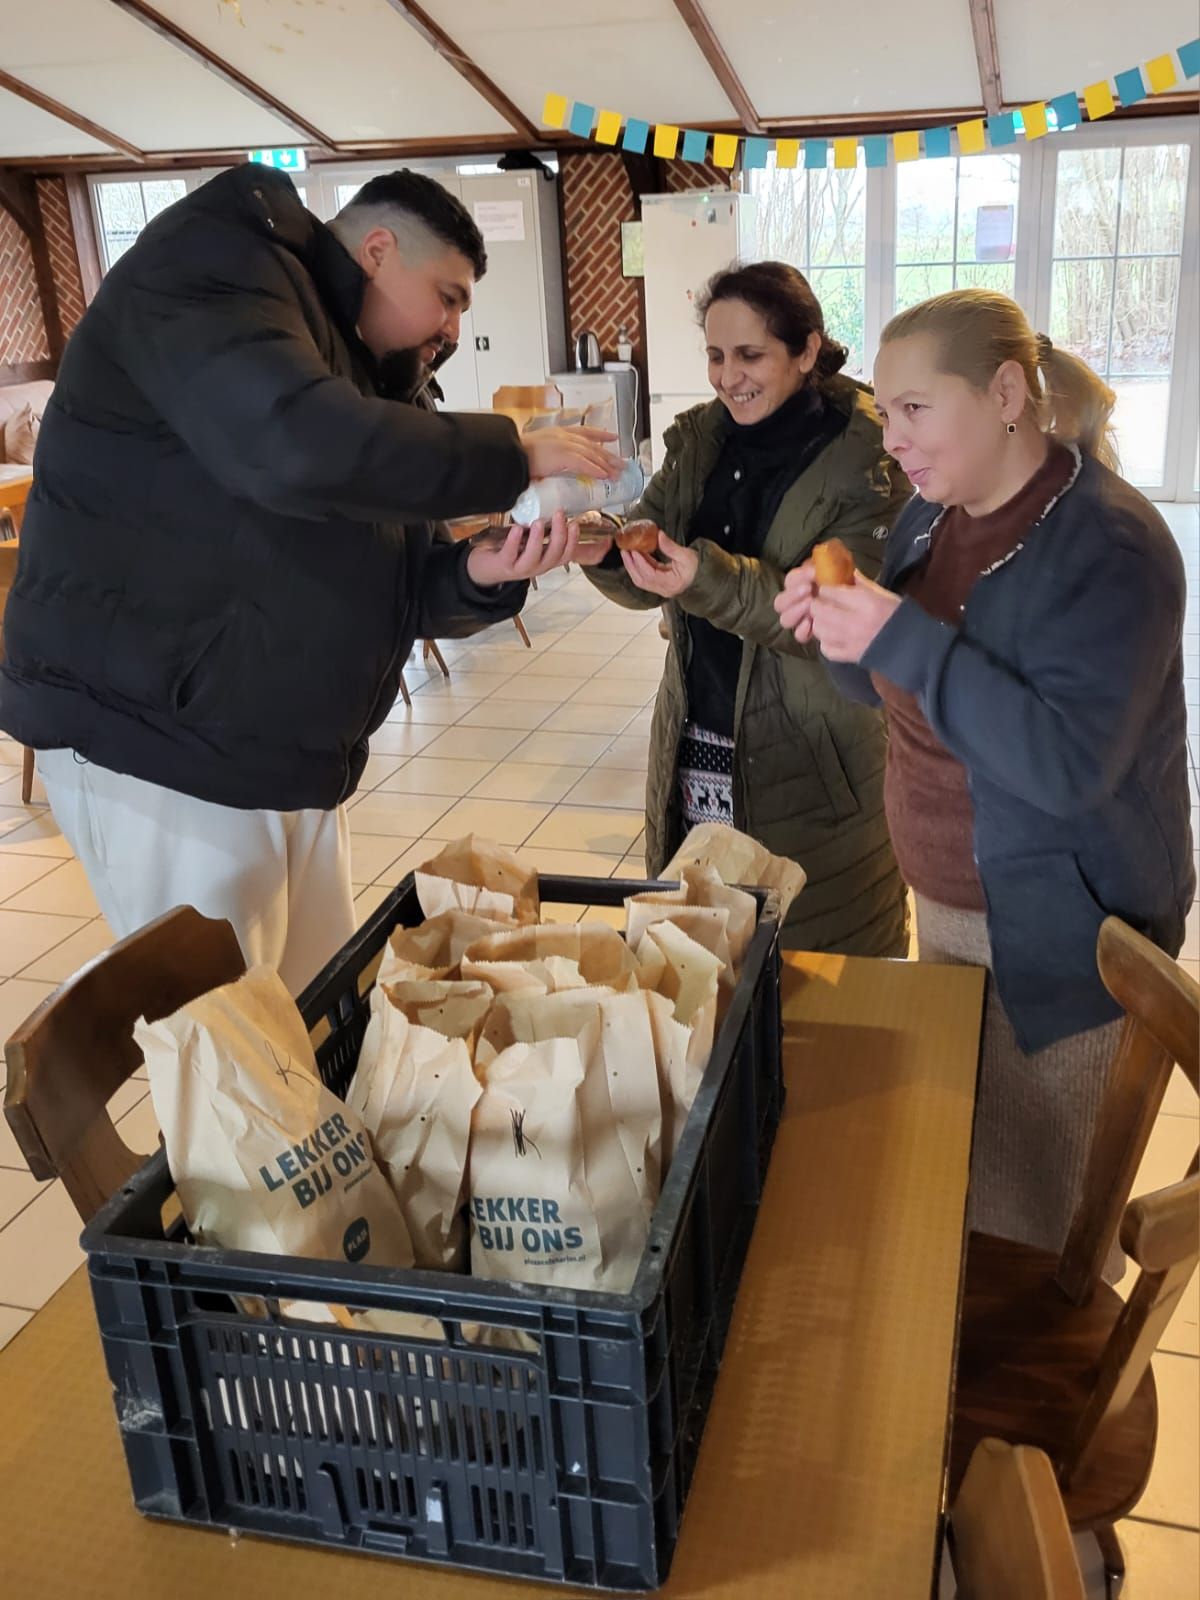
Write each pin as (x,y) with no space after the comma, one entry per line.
(783,298)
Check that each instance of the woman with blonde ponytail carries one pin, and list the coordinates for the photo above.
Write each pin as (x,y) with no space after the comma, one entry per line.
(1025,638)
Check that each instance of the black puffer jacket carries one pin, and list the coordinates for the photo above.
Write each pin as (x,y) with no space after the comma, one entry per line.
(216,589)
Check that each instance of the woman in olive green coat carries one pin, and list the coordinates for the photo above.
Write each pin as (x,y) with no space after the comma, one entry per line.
(748,728)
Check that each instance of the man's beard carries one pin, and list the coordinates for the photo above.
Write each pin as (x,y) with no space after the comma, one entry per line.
(401,371)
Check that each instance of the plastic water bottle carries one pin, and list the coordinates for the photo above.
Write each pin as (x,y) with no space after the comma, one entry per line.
(575,495)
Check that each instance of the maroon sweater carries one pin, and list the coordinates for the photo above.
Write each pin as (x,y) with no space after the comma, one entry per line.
(925,792)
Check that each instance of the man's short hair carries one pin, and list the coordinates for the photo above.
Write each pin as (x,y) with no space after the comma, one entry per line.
(411,204)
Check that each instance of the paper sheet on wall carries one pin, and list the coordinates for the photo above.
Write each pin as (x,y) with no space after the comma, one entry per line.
(500,221)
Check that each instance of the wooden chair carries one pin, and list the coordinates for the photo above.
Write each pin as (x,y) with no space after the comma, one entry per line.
(1049,1354)
(1009,1536)
(68,1059)
(9,551)
(527,400)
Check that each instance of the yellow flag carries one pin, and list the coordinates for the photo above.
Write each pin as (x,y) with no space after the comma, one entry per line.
(554,112)
(1033,120)
(845,152)
(787,152)
(972,137)
(907,146)
(608,128)
(725,148)
(666,139)
(1098,98)
(1160,74)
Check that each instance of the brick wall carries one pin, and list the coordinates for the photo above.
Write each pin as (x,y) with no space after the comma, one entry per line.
(64,256)
(596,199)
(22,330)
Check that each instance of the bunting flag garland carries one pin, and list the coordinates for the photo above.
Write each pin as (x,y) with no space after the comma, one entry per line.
(1033,121)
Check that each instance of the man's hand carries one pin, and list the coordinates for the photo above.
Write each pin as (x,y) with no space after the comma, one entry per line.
(846,620)
(526,553)
(571,453)
(668,577)
(592,552)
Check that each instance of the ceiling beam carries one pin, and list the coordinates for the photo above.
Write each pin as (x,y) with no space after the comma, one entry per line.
(440,41)
(35,97)
(983,26)
(176,36)
(17,199)
(719,63)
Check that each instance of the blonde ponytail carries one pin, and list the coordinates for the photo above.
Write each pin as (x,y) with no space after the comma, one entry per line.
(978,330)
(1077,405)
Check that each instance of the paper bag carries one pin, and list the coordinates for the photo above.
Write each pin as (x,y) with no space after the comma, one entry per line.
(707,925)
(434,948)
(553,956)
(622,1062)
(415,1090)
(685,972)
(456,1010)
(264,1157)
(477,875)
(738,859)
(679,1072)
(532,1217)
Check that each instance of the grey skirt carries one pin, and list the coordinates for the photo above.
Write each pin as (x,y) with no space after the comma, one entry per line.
(1034,1114)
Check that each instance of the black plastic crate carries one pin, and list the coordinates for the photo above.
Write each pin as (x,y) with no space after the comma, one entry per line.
(571,1465)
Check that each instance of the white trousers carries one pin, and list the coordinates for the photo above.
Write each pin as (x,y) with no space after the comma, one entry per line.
(282,878)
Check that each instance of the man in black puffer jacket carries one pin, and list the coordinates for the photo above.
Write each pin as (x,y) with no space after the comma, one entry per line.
(227,555)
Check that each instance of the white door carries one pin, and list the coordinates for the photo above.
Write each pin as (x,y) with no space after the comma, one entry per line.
(507,321)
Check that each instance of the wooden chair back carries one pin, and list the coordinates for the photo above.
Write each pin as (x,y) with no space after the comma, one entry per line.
(1009,1529)
(1161,1233)
(1162,1028)
(67,1060)
(527,397)
(9,551)
(523,402)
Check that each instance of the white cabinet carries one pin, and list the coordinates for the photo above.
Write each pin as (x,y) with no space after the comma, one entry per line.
(687,238)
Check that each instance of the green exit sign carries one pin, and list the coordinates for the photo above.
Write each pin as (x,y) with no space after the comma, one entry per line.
(281,160)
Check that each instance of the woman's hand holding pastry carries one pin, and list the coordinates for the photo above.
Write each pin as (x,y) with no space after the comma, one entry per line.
(670,574)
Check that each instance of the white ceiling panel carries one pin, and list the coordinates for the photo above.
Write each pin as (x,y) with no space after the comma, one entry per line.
(353,68)
(119,74)
(27,132)
(825,61)
(632,56)
(1048,48)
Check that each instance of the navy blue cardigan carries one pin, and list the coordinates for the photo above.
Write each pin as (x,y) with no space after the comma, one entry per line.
(1061,692)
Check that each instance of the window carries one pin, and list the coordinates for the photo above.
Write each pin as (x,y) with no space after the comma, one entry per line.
(124,209)
(817,221)
(1114,292)
(956,225)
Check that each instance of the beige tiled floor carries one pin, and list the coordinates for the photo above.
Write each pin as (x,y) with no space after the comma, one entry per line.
(545,749)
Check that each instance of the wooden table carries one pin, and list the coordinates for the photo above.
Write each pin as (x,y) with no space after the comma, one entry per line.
(15,484)
(822,1469)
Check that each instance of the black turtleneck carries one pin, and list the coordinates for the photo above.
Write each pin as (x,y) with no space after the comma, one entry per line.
(757,466)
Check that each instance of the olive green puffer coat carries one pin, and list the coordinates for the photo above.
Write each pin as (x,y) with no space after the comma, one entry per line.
(808,765)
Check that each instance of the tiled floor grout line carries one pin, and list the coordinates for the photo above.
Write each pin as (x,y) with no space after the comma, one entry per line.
(1155,1522)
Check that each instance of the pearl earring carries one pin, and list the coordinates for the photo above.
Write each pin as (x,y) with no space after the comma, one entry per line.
(1010,427)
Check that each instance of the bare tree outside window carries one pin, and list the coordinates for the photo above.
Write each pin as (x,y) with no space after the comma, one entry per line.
(1118,238)
(817,221)
(956,225)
